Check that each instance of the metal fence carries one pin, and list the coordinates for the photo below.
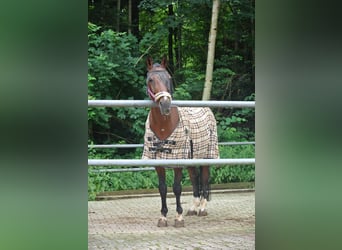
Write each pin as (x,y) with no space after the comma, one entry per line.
(142,145)
(148,103)
(167,163)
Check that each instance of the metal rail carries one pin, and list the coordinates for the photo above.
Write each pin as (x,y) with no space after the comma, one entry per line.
(115,146)
(119,170)
(141,145)
(149,103)
(170,163)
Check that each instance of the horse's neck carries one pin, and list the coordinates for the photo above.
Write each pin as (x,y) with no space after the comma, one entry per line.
(163,125)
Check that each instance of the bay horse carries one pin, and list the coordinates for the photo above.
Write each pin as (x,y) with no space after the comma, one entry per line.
(178,133)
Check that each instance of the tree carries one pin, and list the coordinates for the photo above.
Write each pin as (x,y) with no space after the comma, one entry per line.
(211,51)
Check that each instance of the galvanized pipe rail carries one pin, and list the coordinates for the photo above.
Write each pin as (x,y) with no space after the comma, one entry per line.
(149,103)
(141,145)
(183,163)
(119,170)
(172,163)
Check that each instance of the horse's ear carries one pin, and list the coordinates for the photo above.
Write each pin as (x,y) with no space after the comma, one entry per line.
(149,63)
(164,62)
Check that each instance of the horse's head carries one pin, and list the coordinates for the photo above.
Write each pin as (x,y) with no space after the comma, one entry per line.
(159,85)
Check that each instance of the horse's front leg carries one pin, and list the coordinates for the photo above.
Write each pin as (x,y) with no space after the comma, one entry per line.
(194,177)
(205,178)
(177,190)
(162,222)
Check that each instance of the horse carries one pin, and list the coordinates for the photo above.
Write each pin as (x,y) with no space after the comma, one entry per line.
(178,133)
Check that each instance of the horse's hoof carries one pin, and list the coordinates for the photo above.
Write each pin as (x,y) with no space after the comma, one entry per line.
(162,223)
(191,213)
(202,213)
(179,223)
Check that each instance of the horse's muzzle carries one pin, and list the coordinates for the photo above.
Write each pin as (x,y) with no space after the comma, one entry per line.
(165,105)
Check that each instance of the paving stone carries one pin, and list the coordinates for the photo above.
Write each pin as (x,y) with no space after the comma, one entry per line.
(132,224)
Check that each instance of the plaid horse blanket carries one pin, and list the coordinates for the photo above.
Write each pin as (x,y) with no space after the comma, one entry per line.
(195,137)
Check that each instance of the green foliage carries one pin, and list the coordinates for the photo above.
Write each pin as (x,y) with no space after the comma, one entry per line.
(232,129)
(193,84)
(226,174)
(182,93)
(114,73)
(98,116)
(99,182)
(112,59)
(154,5)
(135,119)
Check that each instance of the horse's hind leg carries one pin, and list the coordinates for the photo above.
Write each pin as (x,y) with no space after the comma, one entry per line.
(205,175)
(162,222)
(177,190)
(194,177)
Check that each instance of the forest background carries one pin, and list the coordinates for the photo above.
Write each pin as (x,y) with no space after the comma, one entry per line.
(120,36)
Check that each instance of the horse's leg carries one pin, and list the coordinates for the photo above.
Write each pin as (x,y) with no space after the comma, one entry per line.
(193,173)
(177,190)
(205,175)
(162,222)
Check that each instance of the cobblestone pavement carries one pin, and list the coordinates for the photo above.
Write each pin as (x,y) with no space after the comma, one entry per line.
(132,224)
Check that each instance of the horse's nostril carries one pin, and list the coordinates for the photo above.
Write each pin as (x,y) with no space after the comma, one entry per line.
(165,106)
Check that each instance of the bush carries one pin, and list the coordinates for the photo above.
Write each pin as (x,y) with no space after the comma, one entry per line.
(234,173)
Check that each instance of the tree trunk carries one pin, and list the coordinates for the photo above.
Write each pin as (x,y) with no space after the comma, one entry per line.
(253,39)
(178,39)
(211,51)
(135,19)
(129,17)
(118,7)
(178,55)
(170,39)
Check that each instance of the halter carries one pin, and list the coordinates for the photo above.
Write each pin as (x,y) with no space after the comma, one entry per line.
(159,95)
